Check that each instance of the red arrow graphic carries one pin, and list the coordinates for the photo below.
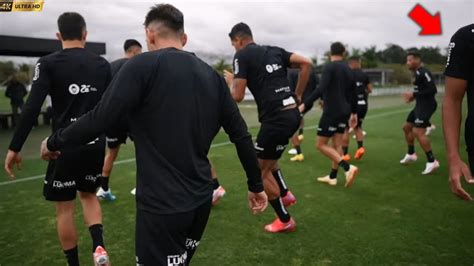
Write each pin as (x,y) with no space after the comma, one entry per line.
(430,25)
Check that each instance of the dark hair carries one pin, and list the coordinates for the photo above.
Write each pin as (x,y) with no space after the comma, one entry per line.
(167,14)
(354,58)
(71,25)
(129,43)
(240,30)
(337,48)
(414,53)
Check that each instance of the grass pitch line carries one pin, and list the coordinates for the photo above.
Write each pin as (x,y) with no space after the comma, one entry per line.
(212,146)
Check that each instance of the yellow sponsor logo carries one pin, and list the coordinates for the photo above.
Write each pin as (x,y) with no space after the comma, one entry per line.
(21,6)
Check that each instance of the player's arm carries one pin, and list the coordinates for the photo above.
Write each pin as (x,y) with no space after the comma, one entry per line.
(322,88)
(370,87)
(237,81)
(304,64)
(353,101)
(124,93)
(458,69)
(235,126)
(29,114)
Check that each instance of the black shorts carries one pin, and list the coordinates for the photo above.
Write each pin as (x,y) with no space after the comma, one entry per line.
(421,115)
(361,113)
(274,134)
(169,239)
(116,140)
(78,169)
(329,126)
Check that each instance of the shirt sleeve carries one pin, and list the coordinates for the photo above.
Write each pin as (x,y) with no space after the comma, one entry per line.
(123,95)
(240,65)
(285,57)
(460,60)
(235,126)
(32,107)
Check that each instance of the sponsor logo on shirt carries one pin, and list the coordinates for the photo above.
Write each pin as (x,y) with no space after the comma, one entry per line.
(285,89)
(75,89)
(191,244)
(358,83)
(427,77)
(273,67)
(236,66)
(450,47)
(177,260)
(258,148)
(37,72)
(62,185)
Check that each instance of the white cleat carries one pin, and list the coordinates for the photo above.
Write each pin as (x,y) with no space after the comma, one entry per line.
(328,180)
(351,175)
(292,151)
(430,167)
(133,191)
(430,130)
(409,158)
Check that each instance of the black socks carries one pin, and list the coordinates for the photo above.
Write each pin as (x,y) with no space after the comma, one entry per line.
(96,231)
(278,175)
(105,183)
(280,210)
(72,256)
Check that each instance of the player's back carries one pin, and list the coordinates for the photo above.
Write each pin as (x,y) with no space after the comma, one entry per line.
(338,89)
(77,79)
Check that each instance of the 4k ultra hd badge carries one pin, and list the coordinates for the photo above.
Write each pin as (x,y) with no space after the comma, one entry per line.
(9,6)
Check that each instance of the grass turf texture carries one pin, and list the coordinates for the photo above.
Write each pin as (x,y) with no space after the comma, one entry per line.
(392,214)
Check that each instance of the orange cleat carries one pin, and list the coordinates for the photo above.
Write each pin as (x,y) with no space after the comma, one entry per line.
(289,199)
(359,153)
(279,227)
(346,157)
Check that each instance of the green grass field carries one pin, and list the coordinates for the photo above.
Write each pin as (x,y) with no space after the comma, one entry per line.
(391,216)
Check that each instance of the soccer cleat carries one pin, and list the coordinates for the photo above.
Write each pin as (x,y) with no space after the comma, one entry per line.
(363,133)
(301,137)
(430,167)
(297,158)
(292,151)
(217,195)
(105,195)
(346,157)
(359,153)
(409,158)
(351,175)
(100,257)
(328,180)
(133,191)
(279,227)
(289,199)
(430,130)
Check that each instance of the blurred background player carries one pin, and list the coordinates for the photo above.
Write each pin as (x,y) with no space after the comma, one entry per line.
(337,89)
(419,118)
(459,82)
(363,88)
(264,70)
(118,135)
(297,139)
(75,79)
(15,91)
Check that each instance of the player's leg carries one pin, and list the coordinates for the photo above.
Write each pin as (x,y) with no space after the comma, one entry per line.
(359,133)
(219,190)
(67,233)
(421,123)
(345,145)
(104,191)
(410,156)
(296,140)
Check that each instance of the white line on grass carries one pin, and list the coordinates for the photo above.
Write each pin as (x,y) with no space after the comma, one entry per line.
(212,146)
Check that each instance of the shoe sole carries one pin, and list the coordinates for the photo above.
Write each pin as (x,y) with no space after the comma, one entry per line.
(351,178)
(102,260)
(288,230)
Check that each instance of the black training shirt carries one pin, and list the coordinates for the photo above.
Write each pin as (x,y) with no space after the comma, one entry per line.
(311,86)
(116,65)
(425,88)
(361,81)
(461,65)
(176,104)
(265,69)
(337,89)
(75,78)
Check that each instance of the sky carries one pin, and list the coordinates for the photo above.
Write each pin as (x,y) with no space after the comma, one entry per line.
(305,27)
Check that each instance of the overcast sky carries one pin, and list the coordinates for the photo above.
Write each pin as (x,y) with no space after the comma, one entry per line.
(307,27)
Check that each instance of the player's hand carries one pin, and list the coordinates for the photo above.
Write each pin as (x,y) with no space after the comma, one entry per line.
(353,121)
(257,202)
(47,154)
(301,107)
(408,96)
(12,158)
(229,78)
(458,168)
